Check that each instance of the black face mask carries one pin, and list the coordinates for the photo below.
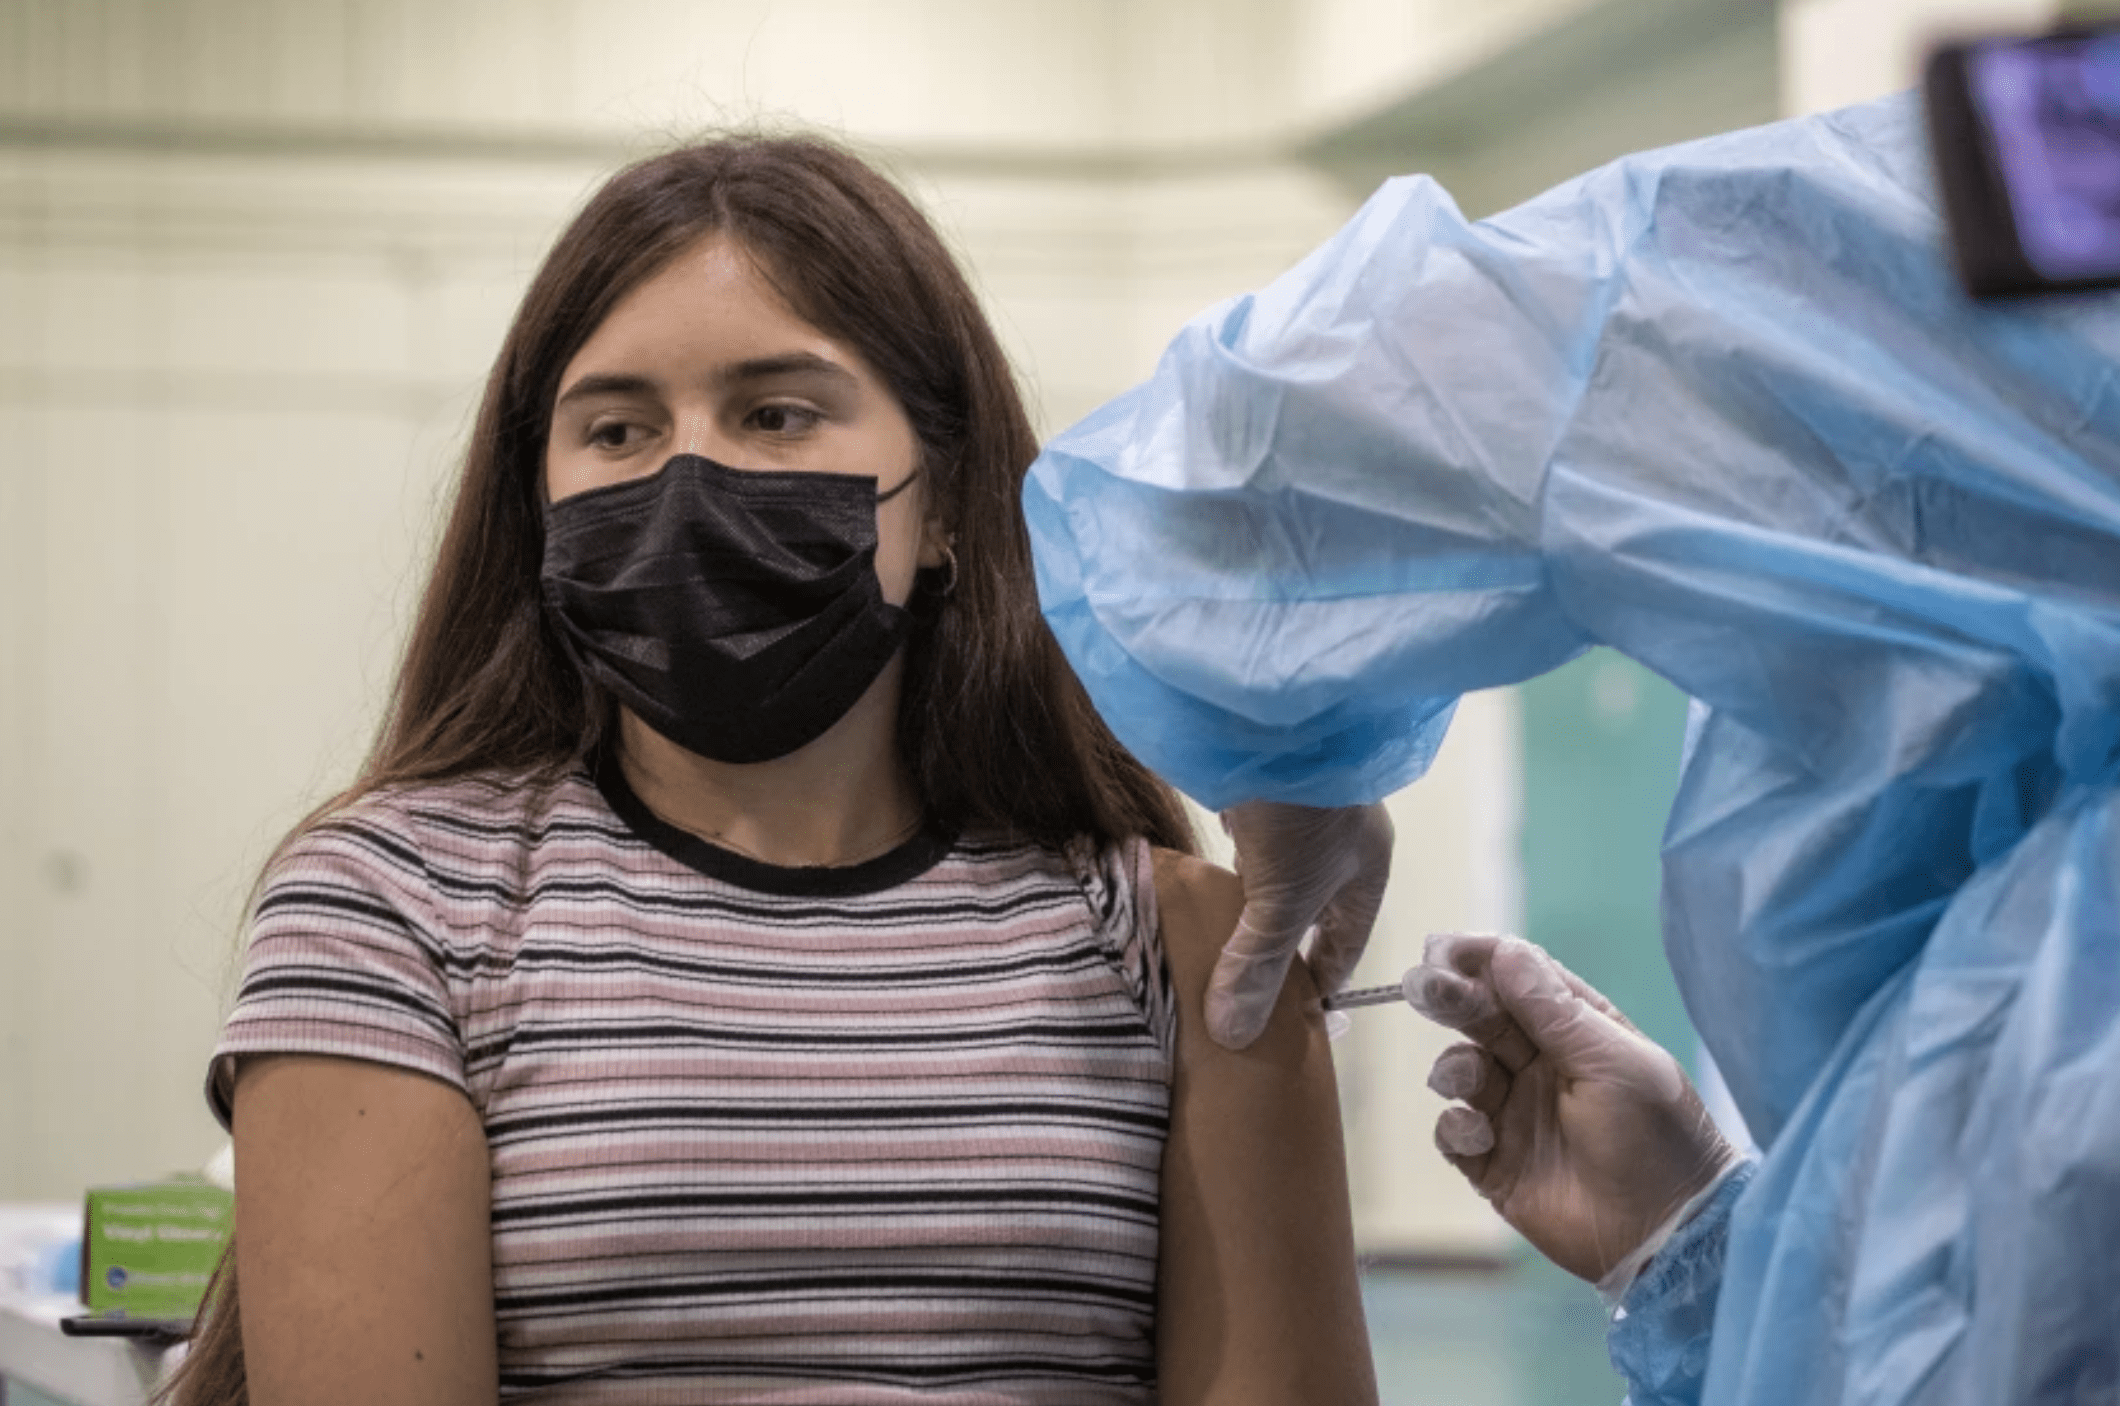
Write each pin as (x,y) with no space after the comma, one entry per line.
(738,613)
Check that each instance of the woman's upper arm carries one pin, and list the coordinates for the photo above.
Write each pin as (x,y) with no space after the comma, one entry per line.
(363,1237)
(1258,1300)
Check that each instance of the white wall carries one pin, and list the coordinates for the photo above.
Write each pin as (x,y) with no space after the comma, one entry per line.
(1836,52)
(1352,57)
(1088,275)
(1018,73)
(229,393)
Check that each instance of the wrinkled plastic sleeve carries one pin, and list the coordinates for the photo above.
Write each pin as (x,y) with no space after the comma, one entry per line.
(1660,1336)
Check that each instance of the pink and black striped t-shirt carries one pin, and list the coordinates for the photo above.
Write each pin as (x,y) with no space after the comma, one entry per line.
(880,1134)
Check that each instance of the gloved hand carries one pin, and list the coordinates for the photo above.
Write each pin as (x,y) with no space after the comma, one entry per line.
(1302,868)
(1585,1134)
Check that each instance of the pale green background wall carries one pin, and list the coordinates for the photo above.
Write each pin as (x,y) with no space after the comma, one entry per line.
(1601,745)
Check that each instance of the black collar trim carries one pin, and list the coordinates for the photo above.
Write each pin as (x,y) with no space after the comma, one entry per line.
(908,861)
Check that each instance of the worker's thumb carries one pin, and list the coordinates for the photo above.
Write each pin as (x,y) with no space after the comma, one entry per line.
(1582,1041)
(1343,932)
(1247,982)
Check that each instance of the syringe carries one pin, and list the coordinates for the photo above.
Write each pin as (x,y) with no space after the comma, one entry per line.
(1376,995)
(1431,988)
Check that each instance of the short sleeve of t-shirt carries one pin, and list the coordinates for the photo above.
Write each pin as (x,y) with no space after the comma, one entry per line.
(344,958)
(1120,884)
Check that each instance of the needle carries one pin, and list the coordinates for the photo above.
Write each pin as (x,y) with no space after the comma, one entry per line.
(1367,996)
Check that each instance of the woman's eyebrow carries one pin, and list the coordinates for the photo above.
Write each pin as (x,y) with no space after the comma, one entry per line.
(758,368)
(612,383)
(765,368)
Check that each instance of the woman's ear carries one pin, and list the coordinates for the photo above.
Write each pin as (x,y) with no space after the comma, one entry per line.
(935,544)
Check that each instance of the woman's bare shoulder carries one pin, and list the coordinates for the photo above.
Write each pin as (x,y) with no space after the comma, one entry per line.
(1198,903)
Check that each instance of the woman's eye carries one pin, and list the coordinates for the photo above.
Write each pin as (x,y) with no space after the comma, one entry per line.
(782,419)
(613,434)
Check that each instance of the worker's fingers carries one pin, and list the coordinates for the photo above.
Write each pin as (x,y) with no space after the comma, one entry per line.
(1448,998)
(1463,1132)
(1504,1038)
(1247,982)
(1343,932)
(1466,953)
(1468,1005)
(1456,988)
(1472,954)
(1473,1076)
(1574,1032)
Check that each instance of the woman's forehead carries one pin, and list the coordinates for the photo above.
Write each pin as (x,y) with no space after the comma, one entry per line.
(713,309)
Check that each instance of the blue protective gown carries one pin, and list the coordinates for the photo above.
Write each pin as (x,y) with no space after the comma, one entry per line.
(1720,407)
(1665,1328)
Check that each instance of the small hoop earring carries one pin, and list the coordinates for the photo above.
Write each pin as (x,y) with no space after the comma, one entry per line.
(949,561)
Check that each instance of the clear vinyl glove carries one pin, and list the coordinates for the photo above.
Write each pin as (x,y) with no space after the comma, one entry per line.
(1582,1132)
(1302,868)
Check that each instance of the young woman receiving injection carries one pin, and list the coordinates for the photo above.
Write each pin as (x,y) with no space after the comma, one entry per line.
(746,969)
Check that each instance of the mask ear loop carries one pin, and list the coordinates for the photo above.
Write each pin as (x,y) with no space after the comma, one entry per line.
(949,549)
(902,485)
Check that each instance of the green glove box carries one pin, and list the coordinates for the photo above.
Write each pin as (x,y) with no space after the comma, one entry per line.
(147,1251)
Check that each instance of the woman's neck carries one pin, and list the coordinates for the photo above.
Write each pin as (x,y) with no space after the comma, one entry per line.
(840,800)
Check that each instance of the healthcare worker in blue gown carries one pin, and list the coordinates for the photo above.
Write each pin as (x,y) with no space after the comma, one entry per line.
(1720,407)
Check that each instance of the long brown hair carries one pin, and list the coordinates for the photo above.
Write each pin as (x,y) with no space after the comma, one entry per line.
(996,730)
